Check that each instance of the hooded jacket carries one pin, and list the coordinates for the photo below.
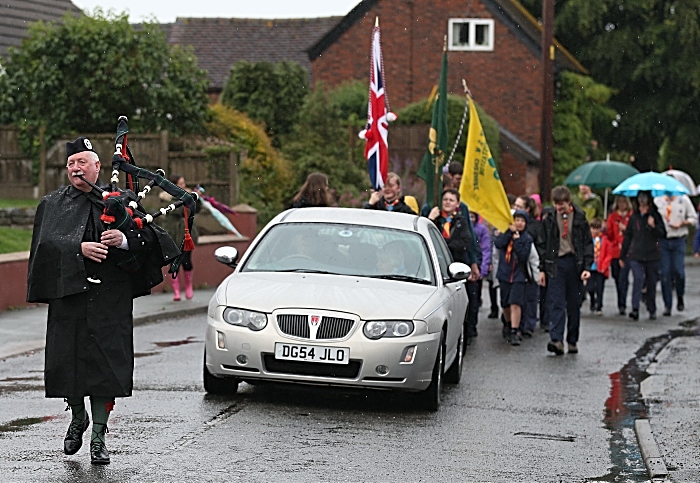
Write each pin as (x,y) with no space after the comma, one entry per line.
(512,267)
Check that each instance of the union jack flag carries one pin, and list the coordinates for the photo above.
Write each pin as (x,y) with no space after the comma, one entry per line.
(378,117)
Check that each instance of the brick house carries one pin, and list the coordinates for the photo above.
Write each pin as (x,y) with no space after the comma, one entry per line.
(16,15)
(494,44)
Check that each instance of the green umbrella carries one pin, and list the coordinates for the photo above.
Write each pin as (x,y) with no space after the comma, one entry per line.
(601,174)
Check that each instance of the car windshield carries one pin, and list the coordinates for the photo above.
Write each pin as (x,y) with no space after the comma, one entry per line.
(356,250)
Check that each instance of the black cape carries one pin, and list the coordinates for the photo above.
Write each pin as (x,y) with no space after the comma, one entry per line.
(89,336)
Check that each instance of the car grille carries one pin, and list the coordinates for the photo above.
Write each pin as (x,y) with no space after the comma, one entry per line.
(320,369)
(329,328)
(295,325)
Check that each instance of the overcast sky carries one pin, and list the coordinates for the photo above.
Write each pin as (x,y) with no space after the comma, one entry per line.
(167,10)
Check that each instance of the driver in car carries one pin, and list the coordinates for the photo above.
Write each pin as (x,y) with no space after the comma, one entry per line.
(390,262)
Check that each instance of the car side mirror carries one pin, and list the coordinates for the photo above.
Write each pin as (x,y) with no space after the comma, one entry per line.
(459,271)
(227,256)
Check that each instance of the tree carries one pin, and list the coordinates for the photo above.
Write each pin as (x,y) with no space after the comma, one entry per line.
(81,74)
(323,140)
(647,52)
(270,94)
(264,175)
(579,106)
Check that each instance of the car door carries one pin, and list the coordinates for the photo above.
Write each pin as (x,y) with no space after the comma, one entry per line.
(455,292)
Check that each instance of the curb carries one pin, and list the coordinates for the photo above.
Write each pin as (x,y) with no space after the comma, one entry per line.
(166,314)
(650,451)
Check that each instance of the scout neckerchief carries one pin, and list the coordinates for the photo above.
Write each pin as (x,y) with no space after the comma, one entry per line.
(596,251)
(509,250)
(390,204)
(669,208)
(565,220)
(447,224)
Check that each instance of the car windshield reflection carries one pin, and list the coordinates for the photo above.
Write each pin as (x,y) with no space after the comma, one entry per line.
(355,250)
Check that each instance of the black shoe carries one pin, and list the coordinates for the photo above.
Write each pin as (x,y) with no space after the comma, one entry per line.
(623,311)
(667,312)
(634,315)
(493,314)
(515,338)
(681,305)
(74,437)
(98,453)
(527,334)
(652,316)
(556,346)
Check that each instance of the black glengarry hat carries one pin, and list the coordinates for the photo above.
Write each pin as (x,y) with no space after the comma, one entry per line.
(78,146)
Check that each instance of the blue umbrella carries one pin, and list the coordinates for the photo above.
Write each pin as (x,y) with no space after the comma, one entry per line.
(657,183)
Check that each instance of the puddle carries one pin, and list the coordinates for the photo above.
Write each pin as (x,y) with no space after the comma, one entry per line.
(28,378)
(23,423)
(191,339)
(145,354)
(625,404)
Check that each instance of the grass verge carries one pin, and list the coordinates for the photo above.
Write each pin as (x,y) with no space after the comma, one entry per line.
(14,239)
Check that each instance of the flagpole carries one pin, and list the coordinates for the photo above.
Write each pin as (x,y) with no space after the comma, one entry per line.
(438,154)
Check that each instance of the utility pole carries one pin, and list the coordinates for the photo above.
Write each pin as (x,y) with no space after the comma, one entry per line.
(547,99)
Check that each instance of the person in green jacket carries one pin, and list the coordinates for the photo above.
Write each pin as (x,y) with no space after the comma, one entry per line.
(589,202)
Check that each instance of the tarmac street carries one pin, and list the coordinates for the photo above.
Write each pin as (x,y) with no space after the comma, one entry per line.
(519,414)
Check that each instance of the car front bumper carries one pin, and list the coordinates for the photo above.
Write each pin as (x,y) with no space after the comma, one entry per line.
(366,356)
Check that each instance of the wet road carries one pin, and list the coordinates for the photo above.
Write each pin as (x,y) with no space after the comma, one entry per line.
(518,415)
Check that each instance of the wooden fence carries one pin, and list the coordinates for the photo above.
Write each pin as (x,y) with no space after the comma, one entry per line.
(218,174)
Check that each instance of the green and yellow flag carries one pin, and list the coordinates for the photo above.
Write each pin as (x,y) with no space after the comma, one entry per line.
(434,158)
(481,188)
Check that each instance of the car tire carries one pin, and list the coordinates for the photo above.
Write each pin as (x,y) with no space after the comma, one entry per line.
(454,374)
(220,386)
(430,398)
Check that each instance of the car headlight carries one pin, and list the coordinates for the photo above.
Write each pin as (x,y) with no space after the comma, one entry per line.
(376,329)
(245,318)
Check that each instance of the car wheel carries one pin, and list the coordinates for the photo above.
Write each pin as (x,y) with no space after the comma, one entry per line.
(223,386)
(454,373)
(430,398)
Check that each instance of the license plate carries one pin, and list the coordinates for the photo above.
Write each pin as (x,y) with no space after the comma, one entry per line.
(312,353)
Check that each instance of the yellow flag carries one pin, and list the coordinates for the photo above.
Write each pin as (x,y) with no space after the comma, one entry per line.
(481,188)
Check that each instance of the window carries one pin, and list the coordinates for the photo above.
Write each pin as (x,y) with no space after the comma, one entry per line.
(443,253)
(470,34)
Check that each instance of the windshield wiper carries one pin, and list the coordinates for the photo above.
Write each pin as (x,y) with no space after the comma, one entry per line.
(307,270)
(403,278)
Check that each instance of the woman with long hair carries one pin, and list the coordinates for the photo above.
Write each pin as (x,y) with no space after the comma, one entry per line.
(314,192)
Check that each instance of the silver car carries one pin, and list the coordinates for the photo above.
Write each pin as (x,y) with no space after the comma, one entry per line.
(342,297)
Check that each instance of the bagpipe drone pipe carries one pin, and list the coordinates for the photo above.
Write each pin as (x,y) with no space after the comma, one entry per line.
(122,209)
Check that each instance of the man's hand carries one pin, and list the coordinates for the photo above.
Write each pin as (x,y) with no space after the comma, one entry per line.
(434,213)
(677,225)
(651,222)
(94,251)
(621,262)
(112,238)
(585,275)
(375,197)
(543,279)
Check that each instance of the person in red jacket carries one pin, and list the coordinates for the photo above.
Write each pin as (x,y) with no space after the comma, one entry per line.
(615,233)
(600,269)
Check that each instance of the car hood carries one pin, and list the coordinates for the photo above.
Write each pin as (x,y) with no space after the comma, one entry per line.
(368,298)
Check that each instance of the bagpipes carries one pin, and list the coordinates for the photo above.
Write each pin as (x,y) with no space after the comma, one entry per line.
(121,210)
